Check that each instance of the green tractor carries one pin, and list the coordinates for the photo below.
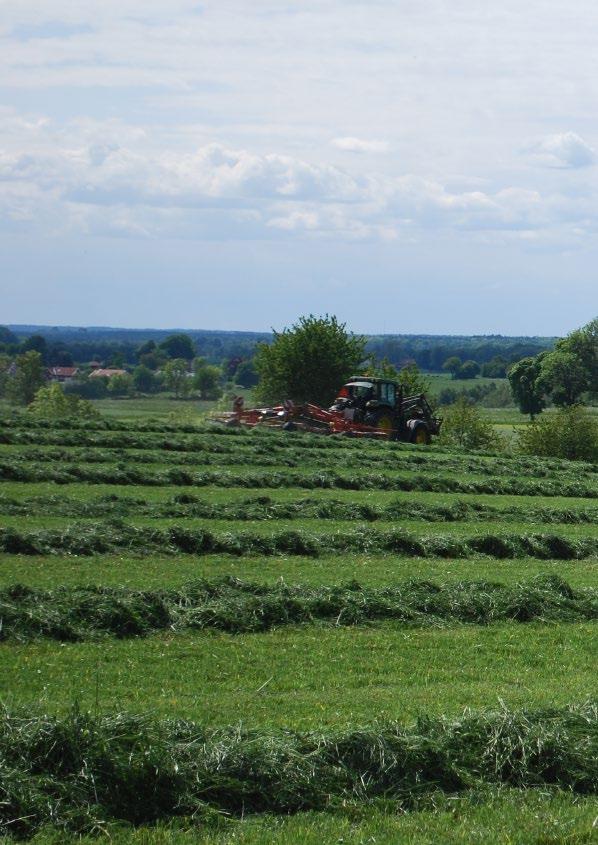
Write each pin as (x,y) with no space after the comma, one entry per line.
(380,403)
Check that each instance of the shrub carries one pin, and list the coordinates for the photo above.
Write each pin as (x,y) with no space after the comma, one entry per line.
(52,403)
(568,433)
(464,426)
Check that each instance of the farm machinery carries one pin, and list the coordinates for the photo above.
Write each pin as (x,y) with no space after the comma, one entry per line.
(364,407)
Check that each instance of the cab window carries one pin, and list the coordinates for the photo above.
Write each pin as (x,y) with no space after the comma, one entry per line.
(387,393)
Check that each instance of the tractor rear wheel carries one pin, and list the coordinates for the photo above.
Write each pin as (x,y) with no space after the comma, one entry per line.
(380,419)
(420,434)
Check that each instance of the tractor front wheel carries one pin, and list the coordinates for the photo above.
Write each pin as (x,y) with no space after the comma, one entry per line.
(420,434)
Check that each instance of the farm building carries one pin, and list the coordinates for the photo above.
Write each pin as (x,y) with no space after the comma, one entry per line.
(62,374)
(107,372)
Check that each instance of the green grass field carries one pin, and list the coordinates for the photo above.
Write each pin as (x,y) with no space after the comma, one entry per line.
(152,508)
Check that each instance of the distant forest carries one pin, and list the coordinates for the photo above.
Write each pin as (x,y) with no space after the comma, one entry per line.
(428,351)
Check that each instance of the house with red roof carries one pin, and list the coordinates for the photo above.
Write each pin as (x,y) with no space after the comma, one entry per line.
(62,374)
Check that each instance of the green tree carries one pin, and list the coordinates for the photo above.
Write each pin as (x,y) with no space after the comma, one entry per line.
(464,426)
(469,370)
(527,392)
(583,343)
(87,388)
(144,380)
(7,337)
(5,363)
(178,346)
(120,385)
(567,433)
(35,343)
(413,381)
(381,369)
(176,378)
(495,368)
(52,403)
(564,376)
(27,380)
(452,365)
(309,361)
(207,381)
(246,375)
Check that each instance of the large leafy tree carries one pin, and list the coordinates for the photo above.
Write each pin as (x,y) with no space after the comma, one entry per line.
(309,361)
(583,343)
(564,376)
(527,392)
(178,346)
(452,365)
(176,377)
(28,378)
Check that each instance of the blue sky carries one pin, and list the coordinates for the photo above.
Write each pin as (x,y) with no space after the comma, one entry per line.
(418,166)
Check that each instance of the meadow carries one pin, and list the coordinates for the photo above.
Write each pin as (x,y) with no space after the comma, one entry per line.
(223,635)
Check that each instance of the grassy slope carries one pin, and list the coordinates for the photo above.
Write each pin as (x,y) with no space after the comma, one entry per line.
(314,677)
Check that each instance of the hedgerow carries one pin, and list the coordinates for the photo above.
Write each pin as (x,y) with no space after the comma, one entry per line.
(75,613)
(80,772)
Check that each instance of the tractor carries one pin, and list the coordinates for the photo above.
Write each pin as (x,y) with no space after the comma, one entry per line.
(380,404)
(364,407)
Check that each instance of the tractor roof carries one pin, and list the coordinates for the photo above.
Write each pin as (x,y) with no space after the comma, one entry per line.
(371,380)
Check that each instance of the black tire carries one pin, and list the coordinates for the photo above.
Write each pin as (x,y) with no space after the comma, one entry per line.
(381,419)
(420,434)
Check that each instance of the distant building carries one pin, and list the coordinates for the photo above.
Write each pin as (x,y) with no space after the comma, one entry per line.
(106,372)
(62,374)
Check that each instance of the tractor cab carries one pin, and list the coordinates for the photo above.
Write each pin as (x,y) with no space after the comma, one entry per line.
(380,403)
(363,391)
(363,399)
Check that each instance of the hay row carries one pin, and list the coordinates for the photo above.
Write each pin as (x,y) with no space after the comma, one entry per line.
(79,772)
(125,475)
(71,614)
(264,508)
(266,456)
(118,537)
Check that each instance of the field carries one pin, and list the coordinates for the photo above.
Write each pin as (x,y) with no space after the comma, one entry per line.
(219,635)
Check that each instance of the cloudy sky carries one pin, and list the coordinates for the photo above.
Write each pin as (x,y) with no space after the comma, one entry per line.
(409,165)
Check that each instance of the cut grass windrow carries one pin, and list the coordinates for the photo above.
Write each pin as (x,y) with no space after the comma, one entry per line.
(280,452)
(265,508)
(111,538)
(127,474)
(71,614)
(81,771)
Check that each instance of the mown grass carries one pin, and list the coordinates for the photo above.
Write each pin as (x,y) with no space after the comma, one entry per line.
(71,614)
(304,678)
(145,506)
(84,495)
(257,508)
(480,817)
(571,543)
(137,770)
(159,572)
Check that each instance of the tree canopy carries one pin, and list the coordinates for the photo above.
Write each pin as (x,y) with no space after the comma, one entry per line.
(523,378)
(309,361)
(178,346)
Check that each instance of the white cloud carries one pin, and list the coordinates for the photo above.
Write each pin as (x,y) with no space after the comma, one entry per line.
(78,176)
(566,150)
(359,145)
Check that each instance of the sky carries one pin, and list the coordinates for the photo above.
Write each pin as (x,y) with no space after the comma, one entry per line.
(412,166)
